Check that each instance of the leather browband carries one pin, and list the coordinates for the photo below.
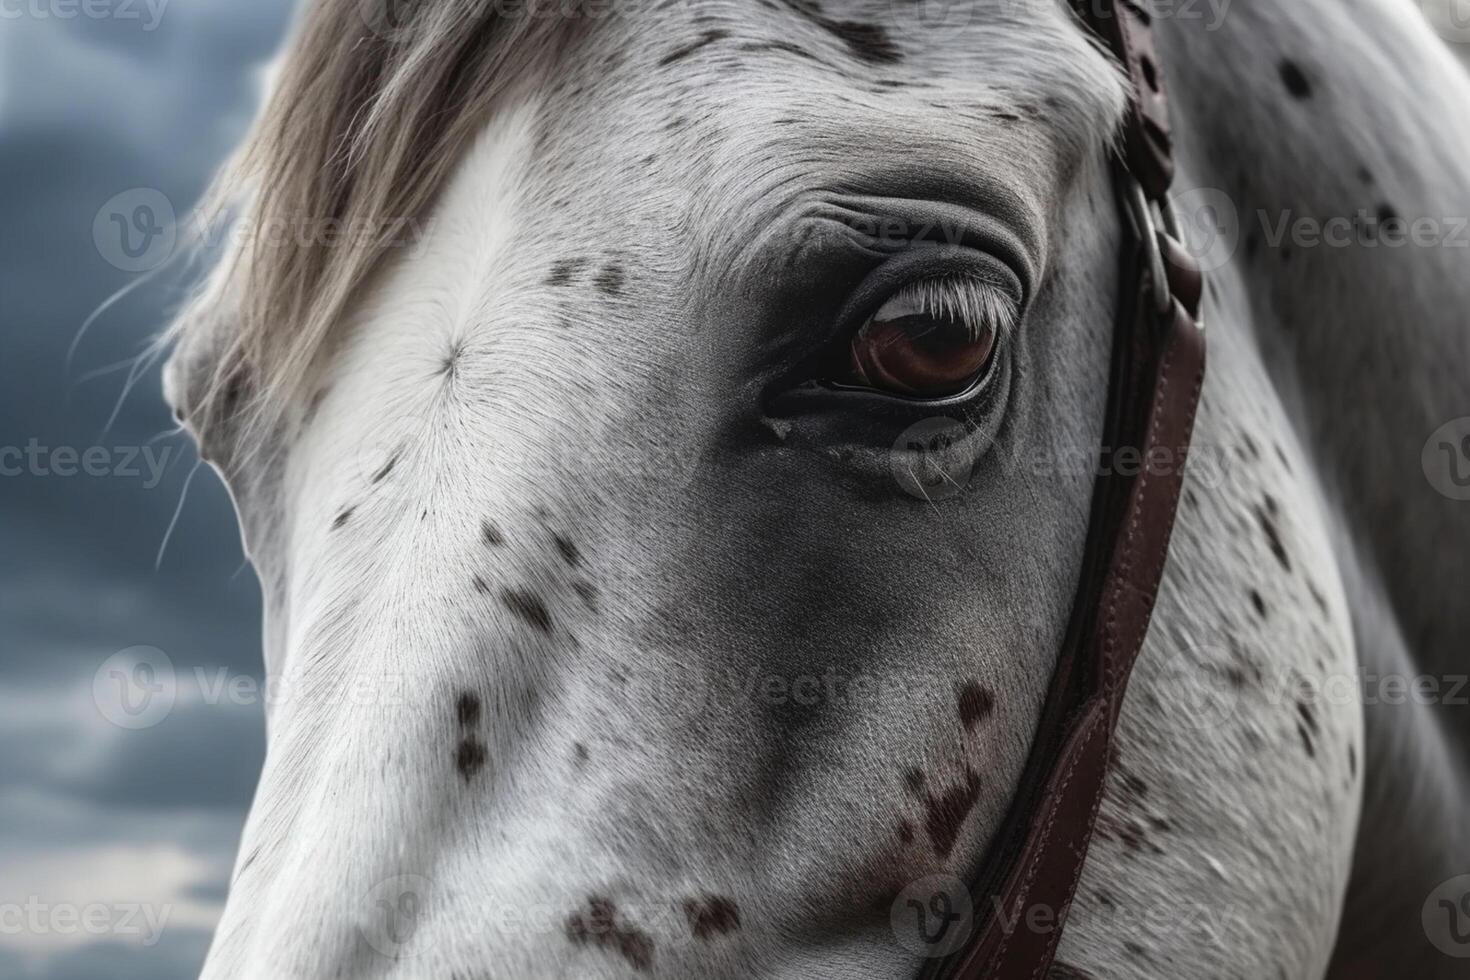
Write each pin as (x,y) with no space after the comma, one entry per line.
(1036,859)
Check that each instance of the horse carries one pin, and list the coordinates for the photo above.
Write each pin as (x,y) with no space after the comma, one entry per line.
(665,442)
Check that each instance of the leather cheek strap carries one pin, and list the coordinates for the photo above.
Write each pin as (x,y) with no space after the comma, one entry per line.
(1023,920)
(1031,872)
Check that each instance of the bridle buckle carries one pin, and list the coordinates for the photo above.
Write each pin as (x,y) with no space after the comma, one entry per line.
(1148,218)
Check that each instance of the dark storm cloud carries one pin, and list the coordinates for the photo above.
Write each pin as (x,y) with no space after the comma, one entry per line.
(91,107)
(200,756)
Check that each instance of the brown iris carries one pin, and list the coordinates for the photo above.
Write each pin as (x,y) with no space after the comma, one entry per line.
(921,354)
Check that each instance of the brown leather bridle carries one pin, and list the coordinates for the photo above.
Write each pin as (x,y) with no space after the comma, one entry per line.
(1034,863)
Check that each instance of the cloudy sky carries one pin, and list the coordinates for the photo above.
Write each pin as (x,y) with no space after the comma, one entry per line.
(117,825)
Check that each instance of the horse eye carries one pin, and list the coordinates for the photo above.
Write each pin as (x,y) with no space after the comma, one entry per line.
(931,339)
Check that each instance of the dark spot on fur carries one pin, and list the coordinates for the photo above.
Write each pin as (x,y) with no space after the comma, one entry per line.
(1105,898)
(1258,603)
(563,271)
(528,607)
(1365,175)
(1133,949)
(1352,757)
(1308,716)
(1386,213)
(587,592)
(491,534)
(481,586)
(1306,738)
(342,518)
(679,54)
(976,704)
(467,709)
(600,926)
(568,550)
(914,781)
(387,468)
(712,915)
(610,279)
(1317,595)
(469,757)
(946,812)
(1135,836)
(1273,536)
(906,831)
(580,751)
(1296,83)
(869,43)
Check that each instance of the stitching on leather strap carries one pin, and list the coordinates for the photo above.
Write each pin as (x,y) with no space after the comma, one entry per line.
(1025,890)
(1099,724)
(1155,566)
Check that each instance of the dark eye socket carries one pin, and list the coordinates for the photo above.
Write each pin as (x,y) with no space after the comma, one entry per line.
(931,338)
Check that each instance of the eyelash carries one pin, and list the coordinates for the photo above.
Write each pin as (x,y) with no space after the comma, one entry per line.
(965,299)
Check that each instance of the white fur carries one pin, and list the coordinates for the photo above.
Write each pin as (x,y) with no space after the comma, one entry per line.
(567,376)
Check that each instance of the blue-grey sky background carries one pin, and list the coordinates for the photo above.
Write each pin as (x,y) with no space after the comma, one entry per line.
(96,100)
